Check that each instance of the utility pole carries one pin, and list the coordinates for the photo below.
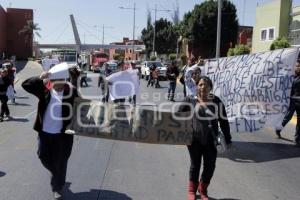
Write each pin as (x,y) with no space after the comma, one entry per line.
(154,28)
(219,29)
(103,34)
(133,32)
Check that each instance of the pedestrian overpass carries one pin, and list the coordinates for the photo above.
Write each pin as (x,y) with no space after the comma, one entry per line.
(83,47)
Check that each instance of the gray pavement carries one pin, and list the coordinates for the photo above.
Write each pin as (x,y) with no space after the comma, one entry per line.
(259,167)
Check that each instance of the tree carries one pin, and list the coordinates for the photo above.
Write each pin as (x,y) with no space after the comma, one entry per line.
(238,50)
(30,30)
(117,56)
(280,43)
(172,56)
(153,58)
(165,37)
(200,27)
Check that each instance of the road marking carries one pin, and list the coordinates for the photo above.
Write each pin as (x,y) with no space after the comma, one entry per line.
(30,114)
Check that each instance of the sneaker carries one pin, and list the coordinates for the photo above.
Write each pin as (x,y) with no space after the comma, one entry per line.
(1,119)
(57,195)
(278,134)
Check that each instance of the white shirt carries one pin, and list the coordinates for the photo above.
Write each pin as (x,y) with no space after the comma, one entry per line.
(191,87)
(53,122)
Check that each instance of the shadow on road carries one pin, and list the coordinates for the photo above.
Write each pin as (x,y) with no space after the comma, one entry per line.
(94,195)
(17,119)
(20,65)
(2,174)
(222,199)
(255,152)
(20,97)
(19,104)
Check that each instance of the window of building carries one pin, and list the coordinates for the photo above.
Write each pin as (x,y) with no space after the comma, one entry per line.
(263,35)
(271,34)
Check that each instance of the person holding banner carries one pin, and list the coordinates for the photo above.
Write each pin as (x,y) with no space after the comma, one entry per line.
(56,97)
(209,114)
(294,106)
(191,62)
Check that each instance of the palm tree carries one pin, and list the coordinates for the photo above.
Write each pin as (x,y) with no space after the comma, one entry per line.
(30,30)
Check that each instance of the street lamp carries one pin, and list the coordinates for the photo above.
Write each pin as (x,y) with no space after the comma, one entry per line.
(103,31)
(219,28)
(133,32)
(154,31)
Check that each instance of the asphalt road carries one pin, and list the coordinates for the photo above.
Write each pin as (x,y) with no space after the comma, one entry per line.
(259,167)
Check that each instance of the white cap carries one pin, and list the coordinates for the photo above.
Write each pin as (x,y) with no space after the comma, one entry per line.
(60,71)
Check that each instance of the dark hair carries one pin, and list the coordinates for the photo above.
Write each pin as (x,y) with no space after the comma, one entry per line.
(207,80)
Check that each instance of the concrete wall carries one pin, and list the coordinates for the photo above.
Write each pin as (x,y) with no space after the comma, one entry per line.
(16,43)
(2,31)
(267,16)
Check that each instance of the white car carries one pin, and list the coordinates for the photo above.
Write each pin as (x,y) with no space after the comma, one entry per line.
(145,69)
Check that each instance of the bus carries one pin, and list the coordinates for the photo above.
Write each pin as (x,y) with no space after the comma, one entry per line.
(66,55)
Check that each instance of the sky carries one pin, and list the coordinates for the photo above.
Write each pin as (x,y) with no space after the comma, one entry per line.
(53,18)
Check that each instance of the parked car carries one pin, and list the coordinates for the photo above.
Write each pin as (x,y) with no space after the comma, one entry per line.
(145,69)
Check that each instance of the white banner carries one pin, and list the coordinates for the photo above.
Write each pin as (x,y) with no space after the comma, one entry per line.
(47,63)
(255,88)
(123,84)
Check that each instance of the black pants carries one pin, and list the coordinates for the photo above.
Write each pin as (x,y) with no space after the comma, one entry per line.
(4,107)
(83,80)
(209,154)
(150,81)
(294,106)
(54,152)
(105,93)
(132,99)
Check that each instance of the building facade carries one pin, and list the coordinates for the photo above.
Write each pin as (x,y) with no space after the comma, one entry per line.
(272,22)
(12,42)
(128,54)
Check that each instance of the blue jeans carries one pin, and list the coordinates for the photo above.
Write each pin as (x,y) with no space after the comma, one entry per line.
(171,90)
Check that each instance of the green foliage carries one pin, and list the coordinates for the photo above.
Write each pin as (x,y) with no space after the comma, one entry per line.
(172,56)
(165,37)
(117,57)
(238,50)
(280,43)
(199,26)
(230,52)
(153,58)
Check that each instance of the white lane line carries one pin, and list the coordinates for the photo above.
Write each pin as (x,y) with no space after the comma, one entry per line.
(29,115)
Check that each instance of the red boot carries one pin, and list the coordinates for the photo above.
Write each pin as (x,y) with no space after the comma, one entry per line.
(192,189)
(202,189)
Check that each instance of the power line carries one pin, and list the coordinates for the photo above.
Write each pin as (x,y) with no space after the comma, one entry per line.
(67,25)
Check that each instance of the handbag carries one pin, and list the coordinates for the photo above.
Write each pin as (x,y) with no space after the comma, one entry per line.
(219,137)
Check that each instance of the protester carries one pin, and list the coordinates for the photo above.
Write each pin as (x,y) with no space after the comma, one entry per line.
(294,106)
(56,97)
(172,74)
(121,67)
(11,70)
(152,72)
(191,62)
(192,76)
(4,84)
(132,99)
(209,112)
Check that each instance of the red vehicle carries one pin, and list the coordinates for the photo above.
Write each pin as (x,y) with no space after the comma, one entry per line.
(97,59)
